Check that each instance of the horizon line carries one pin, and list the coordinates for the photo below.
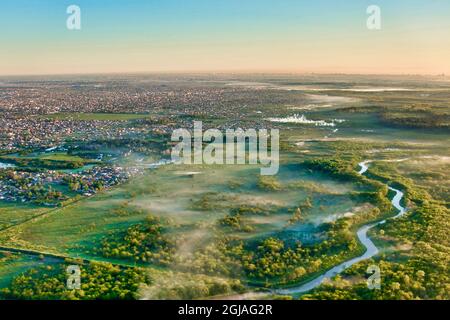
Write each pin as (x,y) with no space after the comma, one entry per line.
(224,72)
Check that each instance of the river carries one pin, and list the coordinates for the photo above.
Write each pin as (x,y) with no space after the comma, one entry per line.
(371,249)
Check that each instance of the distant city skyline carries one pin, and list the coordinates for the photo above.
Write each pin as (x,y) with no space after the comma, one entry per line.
(288,36)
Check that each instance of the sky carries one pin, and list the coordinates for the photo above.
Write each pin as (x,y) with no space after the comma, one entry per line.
(295,36)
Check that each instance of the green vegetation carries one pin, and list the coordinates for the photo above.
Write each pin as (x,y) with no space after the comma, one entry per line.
(98,282)
(176,286)
(144,242)
(167,234)
(51,161)
(15,213)
(422,117)
(276,263)
(298,214)
(420,270)
(235,222)
(344,170)
(50,164)
(269,183)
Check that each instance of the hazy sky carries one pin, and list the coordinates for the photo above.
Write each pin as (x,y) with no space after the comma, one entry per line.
(224,35)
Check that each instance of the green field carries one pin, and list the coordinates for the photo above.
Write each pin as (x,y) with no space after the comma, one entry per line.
(218,230)
(15,213)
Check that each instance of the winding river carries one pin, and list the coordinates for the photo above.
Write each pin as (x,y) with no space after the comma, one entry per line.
(371,249)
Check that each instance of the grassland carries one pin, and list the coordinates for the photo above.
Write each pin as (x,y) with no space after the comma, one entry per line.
(226,230)
(14,213)
(52,161)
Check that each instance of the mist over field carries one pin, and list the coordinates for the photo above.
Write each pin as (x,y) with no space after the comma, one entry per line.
(225,150)
(97,189)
